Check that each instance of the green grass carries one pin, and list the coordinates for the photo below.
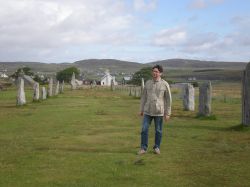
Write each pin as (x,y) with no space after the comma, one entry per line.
(90,138)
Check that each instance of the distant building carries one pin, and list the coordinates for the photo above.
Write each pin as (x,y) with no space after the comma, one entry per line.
(107,78)
(126,79)
(191,78)
(86,82)
(3,75)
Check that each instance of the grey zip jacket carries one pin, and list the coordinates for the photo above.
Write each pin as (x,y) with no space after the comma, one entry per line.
(156,98)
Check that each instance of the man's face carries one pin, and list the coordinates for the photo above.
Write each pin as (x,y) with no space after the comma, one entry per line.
(156,73)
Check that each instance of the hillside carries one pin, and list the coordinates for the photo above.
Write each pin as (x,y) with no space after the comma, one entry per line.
(11,67)
(175,68)
(100,65)
(197,64)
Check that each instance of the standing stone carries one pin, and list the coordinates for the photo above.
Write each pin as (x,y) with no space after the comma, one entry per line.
(135,93)
(142,85)
(112,84)
(61,87)
(130,91)
(205,99)
(73,81)
(57,88)
(50,91)
(36,92)
(139,92)
(188,97)
(44,93)
(93,84)
(246,96)
(20,100)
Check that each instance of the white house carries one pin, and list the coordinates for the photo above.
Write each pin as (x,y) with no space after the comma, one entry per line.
(3,75)
(107,78)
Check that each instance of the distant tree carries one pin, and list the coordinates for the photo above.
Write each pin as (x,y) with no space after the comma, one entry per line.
(41,81)
(66,74)
(145,73)
(26,71)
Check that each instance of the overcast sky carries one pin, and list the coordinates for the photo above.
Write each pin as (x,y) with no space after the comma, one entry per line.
(142,31)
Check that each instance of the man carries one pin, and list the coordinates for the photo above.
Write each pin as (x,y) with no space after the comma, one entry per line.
(155,104)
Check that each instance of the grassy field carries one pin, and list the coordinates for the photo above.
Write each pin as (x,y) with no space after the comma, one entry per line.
(90,138)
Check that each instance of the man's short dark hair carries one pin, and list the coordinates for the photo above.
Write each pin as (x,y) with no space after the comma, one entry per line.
(159,67)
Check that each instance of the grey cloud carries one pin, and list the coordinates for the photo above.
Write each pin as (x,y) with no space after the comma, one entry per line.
(235,45)
(51,24)
(169,37)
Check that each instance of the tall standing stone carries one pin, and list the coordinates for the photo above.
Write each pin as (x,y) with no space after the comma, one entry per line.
(61,87)
(188,97)
(112,84)
(142,85)
(36,91)
(50,91)
(205,99)
(246,96)
(44,93)
(21,99)
(135,92)
(57,88)
(73,81)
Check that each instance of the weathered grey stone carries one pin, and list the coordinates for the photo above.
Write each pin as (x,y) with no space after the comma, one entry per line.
(135,92)
(61,87)
(142,84)
(188,97)
(36,92)
(44,93)
(57,88)
(73,81)
(93,84)
(139,91)
(205,99)
(21,99)
(112,84)
(50,91)
(246,96)
(29,79)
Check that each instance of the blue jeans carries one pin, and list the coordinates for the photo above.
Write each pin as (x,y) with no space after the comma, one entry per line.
(158,121)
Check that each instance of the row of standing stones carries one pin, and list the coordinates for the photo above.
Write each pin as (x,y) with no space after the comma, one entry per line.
(205,94)
(205,97)
(21,98)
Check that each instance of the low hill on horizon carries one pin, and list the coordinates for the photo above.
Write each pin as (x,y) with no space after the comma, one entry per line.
(199,64)
(114,66)
(118,66)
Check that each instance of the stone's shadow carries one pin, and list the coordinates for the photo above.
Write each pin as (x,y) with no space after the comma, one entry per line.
(239,127)
(202,127)
(9,106)
(182,116)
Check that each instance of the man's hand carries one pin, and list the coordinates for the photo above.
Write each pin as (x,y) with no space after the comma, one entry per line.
(141,113)
(166,118)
